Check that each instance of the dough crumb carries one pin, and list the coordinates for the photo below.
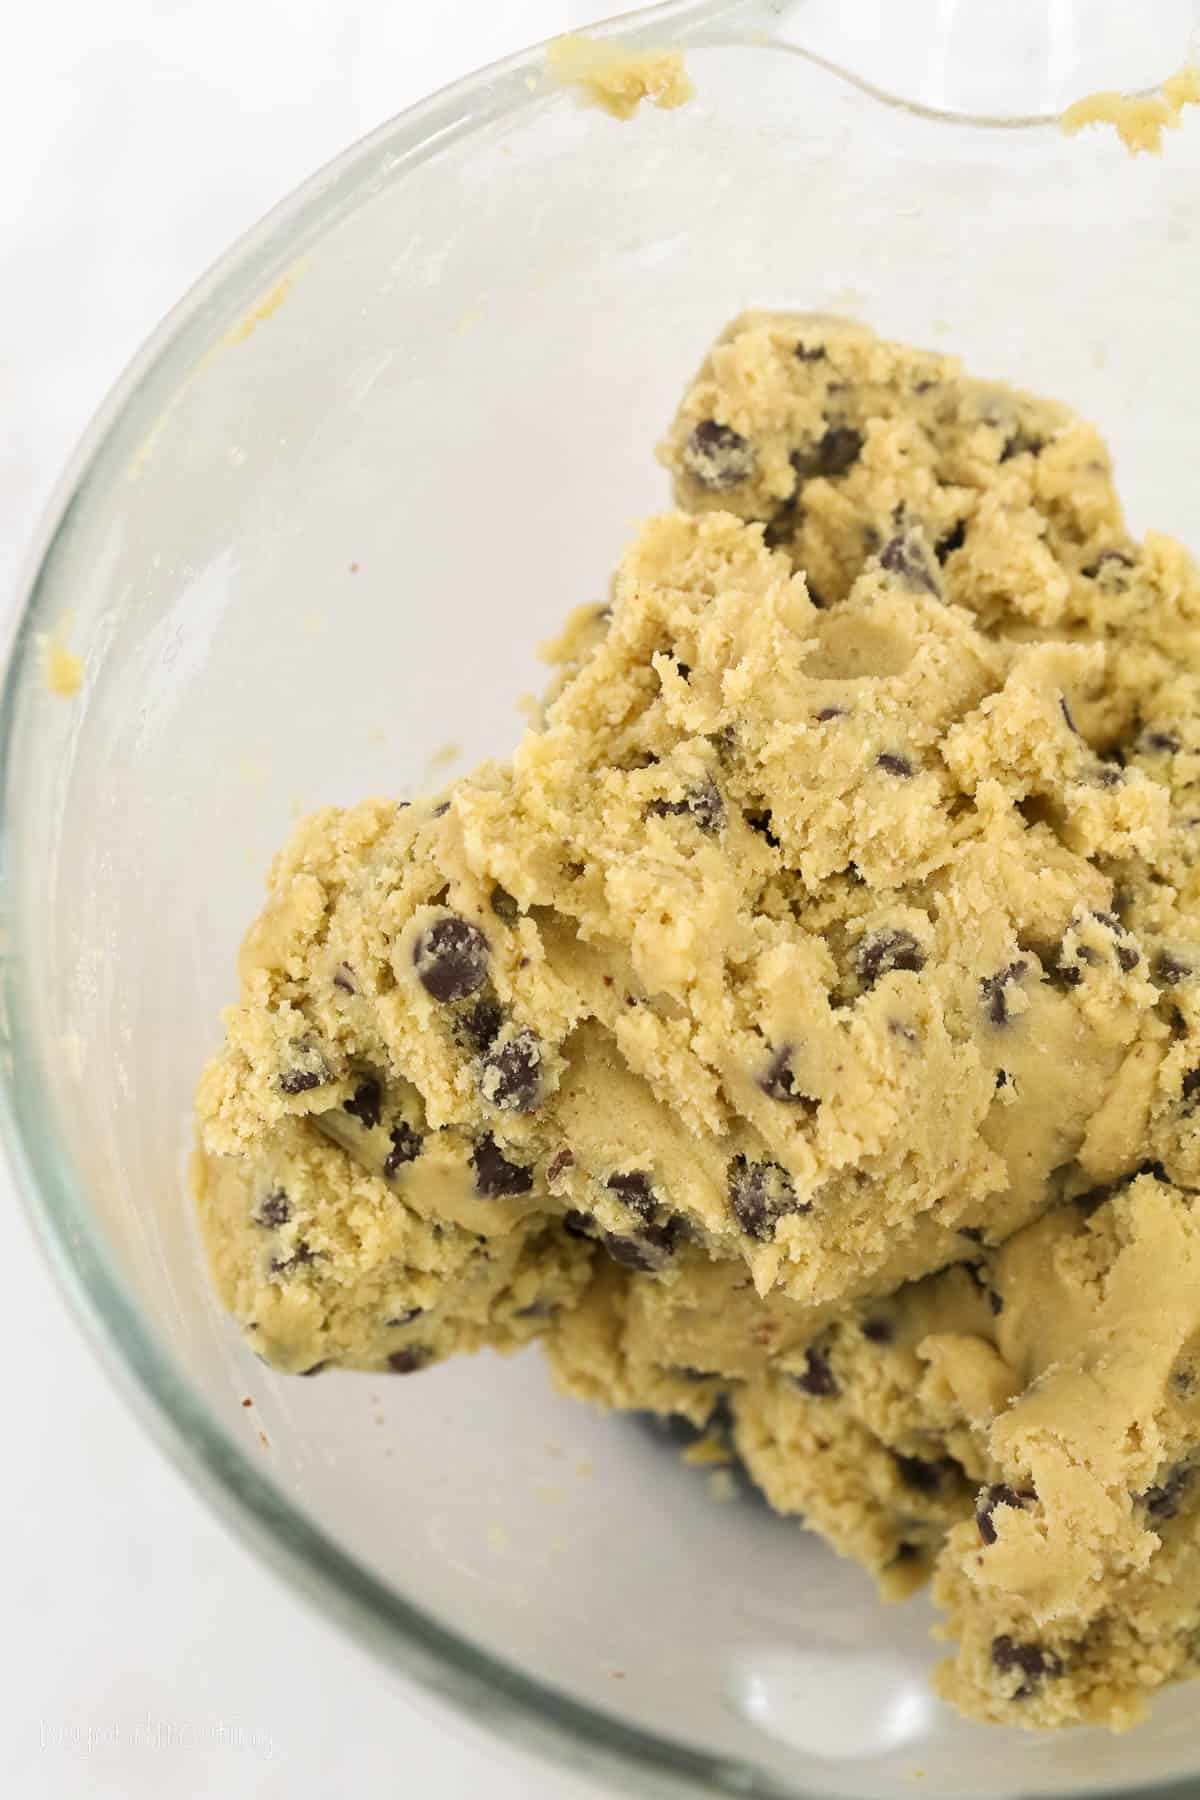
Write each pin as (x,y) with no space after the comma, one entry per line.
(1139,119)
(618,78)
(62,670)
(722,1487)
(708,1452)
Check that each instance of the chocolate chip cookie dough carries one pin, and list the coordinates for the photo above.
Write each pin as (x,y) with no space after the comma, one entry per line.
(1025,1424)
(802,1027)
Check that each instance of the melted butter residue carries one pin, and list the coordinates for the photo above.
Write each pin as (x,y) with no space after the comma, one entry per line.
(1139,119)
(617,77)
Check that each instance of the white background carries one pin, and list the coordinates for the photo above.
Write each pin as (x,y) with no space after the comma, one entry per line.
(143,1651)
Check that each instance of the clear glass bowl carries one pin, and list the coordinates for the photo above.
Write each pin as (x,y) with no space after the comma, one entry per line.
(367,464)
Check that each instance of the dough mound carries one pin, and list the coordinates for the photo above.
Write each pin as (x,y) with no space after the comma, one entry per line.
(801,1031)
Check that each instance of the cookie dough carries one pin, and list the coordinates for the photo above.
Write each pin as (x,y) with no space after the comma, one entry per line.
(831,934)
(617,77)
(1138,119)
(1026,1424)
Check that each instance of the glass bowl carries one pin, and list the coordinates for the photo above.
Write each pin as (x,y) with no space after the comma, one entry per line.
(306,551)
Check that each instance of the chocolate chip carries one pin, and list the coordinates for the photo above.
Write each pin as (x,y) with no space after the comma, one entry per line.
(903,556)
(482,1024)
(882,951)
(992,987)
(953,540)
(1104,775)
(779,1083)
(406,1317)
(577,1225)
(971,1231)
(406,1147)
(503,905)
(495,1176)
(365,1103)
(560,1162)
(315,1369)
(830,712)
(1169,969)
(759,1192)
(1162,1501)
(451,958)
(923,1477)
(998,1494)
(1128,955)
(1111,558)
(407,1362)
(1031,1659)
(511,1076)
(1162,743)
(275,1210)
(301,1254)
(634,1190)
(647,1252)
(1066,713)
(703,804)
(816,354)
(683,670)
(717,456)
(300,1081)
(996,1302)
(818,1378)
(878,1331)
(832,456)
(1191,1087)
(1021,444)
(344,978)
(537,1309)
(893,765)
(761,822)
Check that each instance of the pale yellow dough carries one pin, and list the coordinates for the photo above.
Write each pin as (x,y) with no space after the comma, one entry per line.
(617,77)
(801,1034)
(1138,119)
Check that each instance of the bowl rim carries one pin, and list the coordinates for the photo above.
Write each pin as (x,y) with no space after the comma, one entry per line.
(443,1662)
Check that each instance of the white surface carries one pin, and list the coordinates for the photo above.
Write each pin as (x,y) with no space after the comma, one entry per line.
(145,1651)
